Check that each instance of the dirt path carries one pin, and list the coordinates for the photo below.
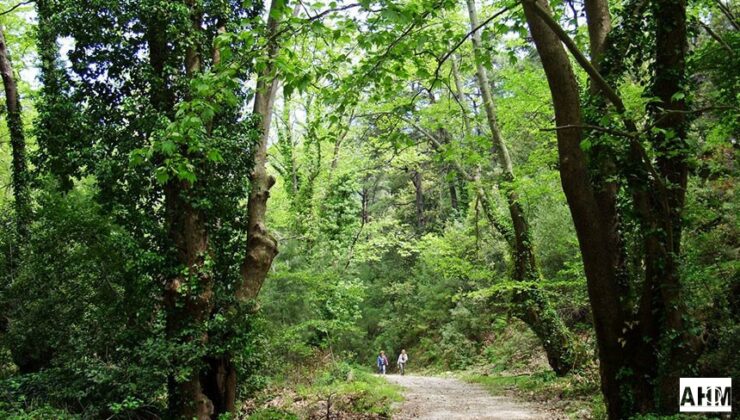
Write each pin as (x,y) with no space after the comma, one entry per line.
(430,398)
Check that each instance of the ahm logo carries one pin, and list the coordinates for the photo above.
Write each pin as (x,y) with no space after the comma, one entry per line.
(705,395)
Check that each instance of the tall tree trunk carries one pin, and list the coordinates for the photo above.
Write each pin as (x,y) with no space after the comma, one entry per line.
(598,20)
(56,127)
(601,256)
(21,189)
(604,174)
(663,245)
(532,306)
(20,181)
(261,247)
(188,308)
(416,179)
(661,346)
(218,377)
(187,311)
(21,177)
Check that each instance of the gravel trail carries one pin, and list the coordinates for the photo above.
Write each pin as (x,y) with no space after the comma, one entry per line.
(433,398)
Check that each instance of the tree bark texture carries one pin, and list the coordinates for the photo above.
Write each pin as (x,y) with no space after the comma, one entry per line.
(595,235)
(20,179)
(663,245)
(599,24)
(261,246)
(188,296)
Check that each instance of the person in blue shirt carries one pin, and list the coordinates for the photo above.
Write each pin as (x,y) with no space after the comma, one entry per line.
(382,363)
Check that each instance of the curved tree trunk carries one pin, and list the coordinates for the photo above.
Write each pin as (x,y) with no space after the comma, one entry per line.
(261,247)
(532,306)
(595,235)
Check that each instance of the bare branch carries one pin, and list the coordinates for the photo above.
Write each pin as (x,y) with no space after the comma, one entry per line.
(728,13)
(717,37)
(23,3)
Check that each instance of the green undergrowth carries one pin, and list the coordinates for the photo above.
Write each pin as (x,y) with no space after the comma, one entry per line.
(16,412)
(339,389)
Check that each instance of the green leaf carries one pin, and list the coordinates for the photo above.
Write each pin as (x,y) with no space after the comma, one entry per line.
(586,145)
(167,147)
(214,156)
(677,96)
(161,175)
(137,157)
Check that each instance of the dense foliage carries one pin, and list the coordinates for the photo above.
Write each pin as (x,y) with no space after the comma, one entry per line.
(409,211)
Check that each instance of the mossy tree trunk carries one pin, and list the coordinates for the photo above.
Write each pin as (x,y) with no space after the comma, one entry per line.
(531,305)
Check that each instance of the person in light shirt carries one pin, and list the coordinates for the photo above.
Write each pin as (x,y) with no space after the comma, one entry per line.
(402,359)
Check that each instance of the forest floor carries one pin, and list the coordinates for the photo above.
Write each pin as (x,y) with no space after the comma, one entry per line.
(429,397)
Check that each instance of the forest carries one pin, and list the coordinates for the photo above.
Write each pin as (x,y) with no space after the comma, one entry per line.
(226,209)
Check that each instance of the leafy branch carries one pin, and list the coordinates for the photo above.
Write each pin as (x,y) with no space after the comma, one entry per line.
(462,40)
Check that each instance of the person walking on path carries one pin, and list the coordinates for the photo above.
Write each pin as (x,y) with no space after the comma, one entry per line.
(382,363)
(402,359)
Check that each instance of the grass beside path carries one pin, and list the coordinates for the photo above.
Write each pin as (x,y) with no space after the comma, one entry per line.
(575,396)
(343,390)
